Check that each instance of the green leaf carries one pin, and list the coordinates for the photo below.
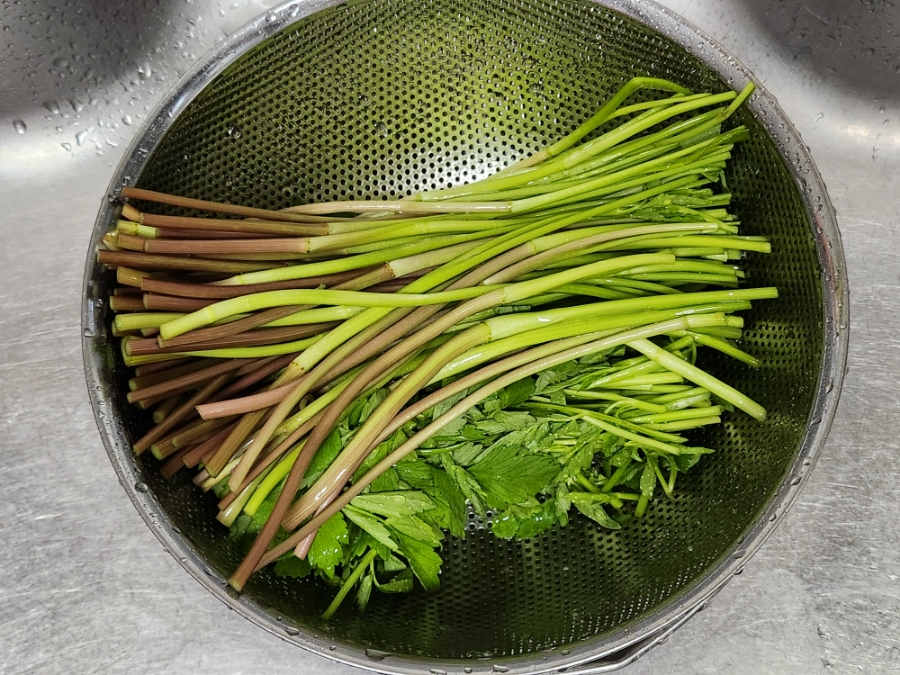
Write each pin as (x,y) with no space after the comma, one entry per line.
(394,504)
(648,480)
(416,528)
(323,458)
(393,564)
(424,561)
(370,524)
(466,484)
(397,439)
(509,476)
(386,482)
(417,475)
(592,506)
(364,592)
(467,453)
(327,550)
(516,393)
(524,521)
(402,583)
(502,421)
(447,493)
(451,429)
(292,567)
(554,375)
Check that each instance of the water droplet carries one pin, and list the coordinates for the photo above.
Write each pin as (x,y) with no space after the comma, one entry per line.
(739,571)
(739,555)
(60,63)
(467,669)
(77,105)
(109,142)
(66,146)
(796,480)
(885,122)
(565,652)
(773,518)
(144,71)
(290,630)
(437,671)
(52,106)
(233,130)
(875,153)
(819,116)
(499,669)
(141,487)
(881,110)
(81,136)
(59,130)
(127,121)
(19,126)
(95,102)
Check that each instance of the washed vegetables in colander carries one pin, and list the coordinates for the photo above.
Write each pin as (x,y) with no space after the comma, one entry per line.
(354,379)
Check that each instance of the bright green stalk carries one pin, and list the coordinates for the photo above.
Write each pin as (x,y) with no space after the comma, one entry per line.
(139,320)
(317,315)
(364,563)
(700,377)
(274,477)
(311,296)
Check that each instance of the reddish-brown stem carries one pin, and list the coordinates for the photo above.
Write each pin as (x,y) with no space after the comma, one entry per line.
(200,451)
(173,262)
(255,320)
(215,207)
(231,227)
(271,457)
(141,381)
(185,382)
(198,433)
(239,385)
(157,366)
(224,292)
(126,303)
(254,338)
(230,445)
(169,303)
(174,462)
(184,412)
(165,233)
(208,246)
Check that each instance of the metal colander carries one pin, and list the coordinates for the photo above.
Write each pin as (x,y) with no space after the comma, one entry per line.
(381,98)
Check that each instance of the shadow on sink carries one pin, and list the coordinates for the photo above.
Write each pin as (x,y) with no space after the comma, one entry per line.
(854,41)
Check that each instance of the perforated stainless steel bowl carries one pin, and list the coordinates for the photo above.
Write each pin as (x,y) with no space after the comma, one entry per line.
(318,100)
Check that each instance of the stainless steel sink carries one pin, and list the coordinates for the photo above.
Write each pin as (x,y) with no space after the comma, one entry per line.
(88,589)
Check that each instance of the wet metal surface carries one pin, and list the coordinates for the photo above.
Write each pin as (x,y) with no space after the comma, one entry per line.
(89,589)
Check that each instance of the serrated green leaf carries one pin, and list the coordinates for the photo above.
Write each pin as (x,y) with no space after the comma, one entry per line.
(593,506)
(424,561)
(402,583)
(393,564)
(323,458)
(464,481)
(503,421)
(364,592)
(327,549)
(293,567)
(394,504)
(372,525)
(414,527)
(508,475)
(467,453)
(516,393)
